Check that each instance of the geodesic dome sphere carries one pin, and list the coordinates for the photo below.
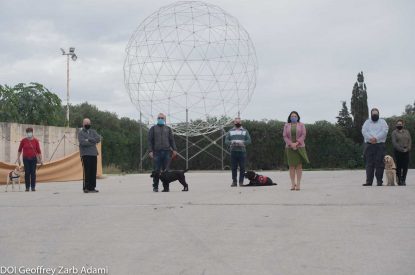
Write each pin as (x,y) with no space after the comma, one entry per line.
(190,60)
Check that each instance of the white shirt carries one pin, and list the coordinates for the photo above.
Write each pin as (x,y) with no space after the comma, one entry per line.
(378,130)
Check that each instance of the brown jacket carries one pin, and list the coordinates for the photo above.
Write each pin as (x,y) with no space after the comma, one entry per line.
(401,140)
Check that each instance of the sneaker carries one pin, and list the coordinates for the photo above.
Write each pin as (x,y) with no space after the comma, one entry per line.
(233,184)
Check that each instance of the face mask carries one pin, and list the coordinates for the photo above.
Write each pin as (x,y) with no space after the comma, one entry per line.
(294,119)
(160,121)
(87,126)
(399,127)
(29,134)
(375,117)
(237,125)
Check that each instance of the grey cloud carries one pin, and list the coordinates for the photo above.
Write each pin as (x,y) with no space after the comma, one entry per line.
(309,52)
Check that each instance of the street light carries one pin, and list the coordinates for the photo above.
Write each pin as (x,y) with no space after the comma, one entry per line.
(73,56)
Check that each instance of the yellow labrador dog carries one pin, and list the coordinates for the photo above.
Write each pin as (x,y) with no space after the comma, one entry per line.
(390,169)
(14,177)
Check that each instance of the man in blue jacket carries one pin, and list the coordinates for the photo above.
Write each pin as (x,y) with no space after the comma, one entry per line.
(237,138)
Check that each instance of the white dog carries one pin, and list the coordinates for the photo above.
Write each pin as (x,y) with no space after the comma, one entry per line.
(390,170)
(14,177)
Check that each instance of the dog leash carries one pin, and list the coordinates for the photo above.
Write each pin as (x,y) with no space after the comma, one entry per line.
(37,157)
(168,163)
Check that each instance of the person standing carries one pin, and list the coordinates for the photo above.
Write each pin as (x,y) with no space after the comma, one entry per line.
(162,148)
(402,142)
(88,139)
(294,136)
(375,131)
(237,138)
(31,156)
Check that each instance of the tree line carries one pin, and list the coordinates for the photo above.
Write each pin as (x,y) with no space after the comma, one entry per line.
(329,145)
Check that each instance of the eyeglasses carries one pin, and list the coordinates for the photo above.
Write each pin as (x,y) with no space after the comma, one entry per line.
(160,118)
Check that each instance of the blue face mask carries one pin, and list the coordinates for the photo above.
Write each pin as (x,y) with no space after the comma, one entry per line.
(294,119)
(160,121)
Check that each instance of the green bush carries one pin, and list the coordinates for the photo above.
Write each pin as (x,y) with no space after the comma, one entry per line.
(329,146)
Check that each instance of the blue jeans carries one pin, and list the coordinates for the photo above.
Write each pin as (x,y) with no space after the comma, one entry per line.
(161,160)
(238,158)
(30,173)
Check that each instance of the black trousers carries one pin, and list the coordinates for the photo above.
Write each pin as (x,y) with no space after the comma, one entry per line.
(30,173)
(89,164)
(374,154)
(402,163)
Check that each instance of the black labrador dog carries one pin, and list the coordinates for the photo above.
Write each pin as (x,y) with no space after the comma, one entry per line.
(257,180)
(169,176)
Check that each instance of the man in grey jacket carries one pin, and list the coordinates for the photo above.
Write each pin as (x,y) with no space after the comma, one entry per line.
(161,144)
(88,140)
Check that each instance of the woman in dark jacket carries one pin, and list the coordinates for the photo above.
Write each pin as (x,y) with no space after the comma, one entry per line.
(402,142)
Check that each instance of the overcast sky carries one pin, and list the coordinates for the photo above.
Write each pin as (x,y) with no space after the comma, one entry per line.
(309,51)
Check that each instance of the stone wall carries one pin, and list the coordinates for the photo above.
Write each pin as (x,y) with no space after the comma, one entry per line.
(55,142)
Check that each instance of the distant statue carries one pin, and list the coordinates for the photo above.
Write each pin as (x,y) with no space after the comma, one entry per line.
(359,107)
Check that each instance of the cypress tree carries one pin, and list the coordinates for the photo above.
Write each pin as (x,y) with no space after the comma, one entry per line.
(359,108)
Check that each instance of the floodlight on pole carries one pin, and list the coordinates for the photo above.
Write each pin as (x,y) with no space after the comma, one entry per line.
(73,56)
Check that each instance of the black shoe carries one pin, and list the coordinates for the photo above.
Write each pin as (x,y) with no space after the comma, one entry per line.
(379,184)
(27,190)
(241,184)
(403,183)
(91,191)
(233,184)
(155,189)
(165,190)
(367,184)
(33,190)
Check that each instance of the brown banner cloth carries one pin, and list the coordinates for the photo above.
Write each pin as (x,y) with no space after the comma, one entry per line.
(68,168)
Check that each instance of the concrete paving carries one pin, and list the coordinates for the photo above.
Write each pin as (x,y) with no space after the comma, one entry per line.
(332,226)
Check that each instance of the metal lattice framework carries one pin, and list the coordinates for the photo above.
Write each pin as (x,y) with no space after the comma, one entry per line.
(194,62)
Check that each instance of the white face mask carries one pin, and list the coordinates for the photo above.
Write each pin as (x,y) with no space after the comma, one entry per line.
(29,134)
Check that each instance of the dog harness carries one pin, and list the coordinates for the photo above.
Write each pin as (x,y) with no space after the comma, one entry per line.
(262,179)
(13,176)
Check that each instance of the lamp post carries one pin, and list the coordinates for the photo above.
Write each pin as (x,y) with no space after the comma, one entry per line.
(73,56)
